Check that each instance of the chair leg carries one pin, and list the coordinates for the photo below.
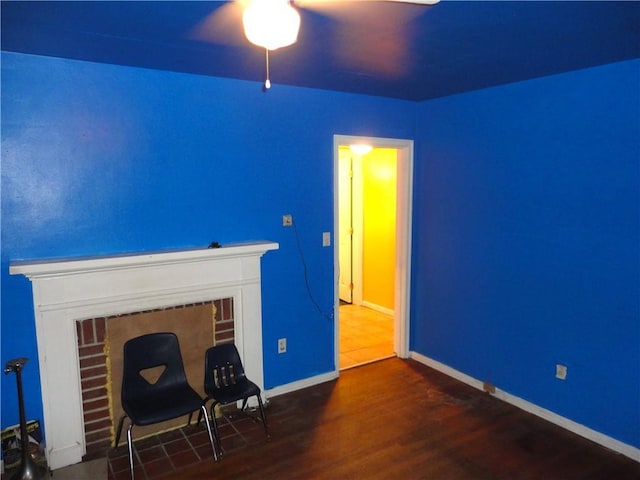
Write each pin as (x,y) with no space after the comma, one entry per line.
(200,415)
(204,404)
(119,431)
(216,433)
(211,439)
(130,444)
(264,418)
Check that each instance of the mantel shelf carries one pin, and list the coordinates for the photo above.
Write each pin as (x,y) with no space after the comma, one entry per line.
(74,265)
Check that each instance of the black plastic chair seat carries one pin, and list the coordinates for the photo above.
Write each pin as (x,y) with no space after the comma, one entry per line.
(166,405)
(237,391)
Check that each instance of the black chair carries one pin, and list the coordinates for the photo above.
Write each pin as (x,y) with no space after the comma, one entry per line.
(169,397)
(225,382)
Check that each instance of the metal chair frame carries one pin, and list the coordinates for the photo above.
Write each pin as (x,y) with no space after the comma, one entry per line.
(169,397)
(225,382)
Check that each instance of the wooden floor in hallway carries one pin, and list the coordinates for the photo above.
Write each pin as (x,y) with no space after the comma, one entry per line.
(366,335)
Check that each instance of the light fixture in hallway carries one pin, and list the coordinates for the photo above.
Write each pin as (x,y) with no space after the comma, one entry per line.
(360,148)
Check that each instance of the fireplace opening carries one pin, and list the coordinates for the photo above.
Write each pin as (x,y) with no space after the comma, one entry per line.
(100,345)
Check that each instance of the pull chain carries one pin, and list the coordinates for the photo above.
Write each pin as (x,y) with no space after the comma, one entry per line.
(267,82)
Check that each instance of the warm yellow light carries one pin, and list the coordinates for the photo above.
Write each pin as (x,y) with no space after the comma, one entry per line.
(271,24)
(360,148)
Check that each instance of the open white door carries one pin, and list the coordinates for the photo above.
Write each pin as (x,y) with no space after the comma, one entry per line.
(345,229)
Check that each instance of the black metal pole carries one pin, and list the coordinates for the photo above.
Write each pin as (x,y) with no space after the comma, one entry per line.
(29,470)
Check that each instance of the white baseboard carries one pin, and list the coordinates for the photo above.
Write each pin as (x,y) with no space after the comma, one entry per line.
(577,428)
(378,308)
(300,384)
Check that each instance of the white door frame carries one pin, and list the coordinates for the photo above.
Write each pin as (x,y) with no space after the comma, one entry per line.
(404,204)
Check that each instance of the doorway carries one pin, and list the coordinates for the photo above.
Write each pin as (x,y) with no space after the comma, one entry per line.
(372,295)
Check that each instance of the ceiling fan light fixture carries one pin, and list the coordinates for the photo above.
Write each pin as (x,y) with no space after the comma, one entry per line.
(271,24)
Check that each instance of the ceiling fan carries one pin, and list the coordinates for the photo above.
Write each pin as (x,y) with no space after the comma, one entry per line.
(274,24)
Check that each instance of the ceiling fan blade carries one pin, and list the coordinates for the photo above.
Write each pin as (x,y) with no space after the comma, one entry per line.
(365,11)
(366,38)
(311,3)
(223,25)
(418,2)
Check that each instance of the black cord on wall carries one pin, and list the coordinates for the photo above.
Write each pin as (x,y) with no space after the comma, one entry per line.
(306,276)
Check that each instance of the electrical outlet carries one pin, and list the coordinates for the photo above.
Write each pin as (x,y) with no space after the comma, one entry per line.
(326,239)
(287,220)
(561,372)
(282,345)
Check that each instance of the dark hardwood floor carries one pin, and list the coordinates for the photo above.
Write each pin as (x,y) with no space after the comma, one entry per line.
(397,419)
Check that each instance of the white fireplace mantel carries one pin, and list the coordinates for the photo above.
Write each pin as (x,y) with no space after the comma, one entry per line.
(67,290)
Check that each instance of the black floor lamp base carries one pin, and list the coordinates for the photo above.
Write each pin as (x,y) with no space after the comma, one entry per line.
(29,469)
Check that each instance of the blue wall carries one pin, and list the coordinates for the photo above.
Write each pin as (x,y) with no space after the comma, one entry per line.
(526,213)
(99,159)
(527,241)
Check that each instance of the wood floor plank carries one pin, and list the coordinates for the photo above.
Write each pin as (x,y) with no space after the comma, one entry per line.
(398,419)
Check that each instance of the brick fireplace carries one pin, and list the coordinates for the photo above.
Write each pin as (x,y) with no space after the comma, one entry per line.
(73,297)
(99,420)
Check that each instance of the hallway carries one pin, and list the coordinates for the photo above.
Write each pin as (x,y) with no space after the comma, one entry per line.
(366,336)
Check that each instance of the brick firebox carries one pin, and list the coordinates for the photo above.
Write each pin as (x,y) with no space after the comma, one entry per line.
(93,372)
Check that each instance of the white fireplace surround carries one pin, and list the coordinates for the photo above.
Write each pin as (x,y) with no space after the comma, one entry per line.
(67,290)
